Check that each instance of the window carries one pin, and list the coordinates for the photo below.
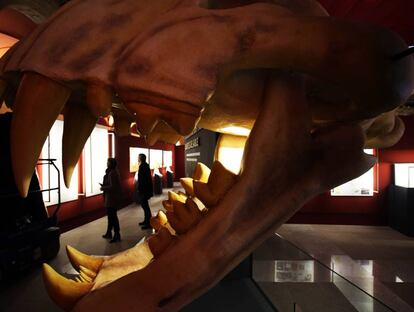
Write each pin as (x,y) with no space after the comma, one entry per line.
(361,186)
(49,176)
(155,159)
(95,155)
(133,157)
(167,158)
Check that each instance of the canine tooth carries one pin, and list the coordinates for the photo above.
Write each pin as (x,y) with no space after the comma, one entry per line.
(160,241)
(39,101)
(122,126)
(146,116)
(64,292)
(78,125)
(219,182)
(99,99)
(78,259)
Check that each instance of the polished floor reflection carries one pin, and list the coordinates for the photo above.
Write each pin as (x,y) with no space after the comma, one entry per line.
(312,268)
(337,268)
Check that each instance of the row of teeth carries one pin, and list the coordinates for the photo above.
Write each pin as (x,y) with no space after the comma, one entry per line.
(39,101)
(183,212)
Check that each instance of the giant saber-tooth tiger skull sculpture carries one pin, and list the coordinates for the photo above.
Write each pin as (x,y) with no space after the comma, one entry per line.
(313,89)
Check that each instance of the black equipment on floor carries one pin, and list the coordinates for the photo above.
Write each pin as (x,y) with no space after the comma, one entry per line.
(28,235)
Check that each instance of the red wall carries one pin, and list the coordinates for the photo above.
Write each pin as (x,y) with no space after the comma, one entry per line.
(362,210)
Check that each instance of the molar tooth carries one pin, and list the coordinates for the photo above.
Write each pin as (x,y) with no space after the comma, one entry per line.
(78,125)
(185,216)
(78,259)
(167,205)
(146,116)
(160,241)
(39,101)
(201,172)
(64,292)
(219,182)
(187,184)
(122,126)
(99,99)
(163,133)
(161,221)
(183,123)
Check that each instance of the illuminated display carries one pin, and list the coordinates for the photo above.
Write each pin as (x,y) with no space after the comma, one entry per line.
(49,176)
(404,175)
(361,186)
(133,157)
(167,158)
(155,158)
(95,157)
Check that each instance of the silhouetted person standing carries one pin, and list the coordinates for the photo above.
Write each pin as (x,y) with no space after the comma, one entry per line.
(144,189)
(111,188)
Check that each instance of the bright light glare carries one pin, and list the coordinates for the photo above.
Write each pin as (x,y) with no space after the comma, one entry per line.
(404,175)
(236,131)
(231,158)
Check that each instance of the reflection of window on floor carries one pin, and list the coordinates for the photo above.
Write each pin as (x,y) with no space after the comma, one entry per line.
(49,177)
(95,155)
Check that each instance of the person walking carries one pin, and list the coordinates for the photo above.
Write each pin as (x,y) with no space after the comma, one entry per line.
(144,189)
(111,188)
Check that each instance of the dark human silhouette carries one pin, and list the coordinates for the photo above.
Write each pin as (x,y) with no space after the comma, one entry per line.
(144,189)
(111,188)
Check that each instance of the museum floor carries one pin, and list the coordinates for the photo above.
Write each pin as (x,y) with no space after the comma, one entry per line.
(302,268)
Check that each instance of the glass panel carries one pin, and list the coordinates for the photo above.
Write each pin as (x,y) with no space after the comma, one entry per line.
(133,157)
(96,152)
(49,177)
(361,186)
(155,159)
(167,159)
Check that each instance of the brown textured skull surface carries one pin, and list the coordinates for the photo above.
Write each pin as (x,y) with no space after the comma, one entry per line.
(299,79)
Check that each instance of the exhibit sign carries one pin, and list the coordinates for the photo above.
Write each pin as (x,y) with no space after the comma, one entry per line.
(361,186)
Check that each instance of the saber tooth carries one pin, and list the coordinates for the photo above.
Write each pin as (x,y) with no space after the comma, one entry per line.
(99,99)
(39,101)
(78,125)
(64,292)
(201,173)
(78,259)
